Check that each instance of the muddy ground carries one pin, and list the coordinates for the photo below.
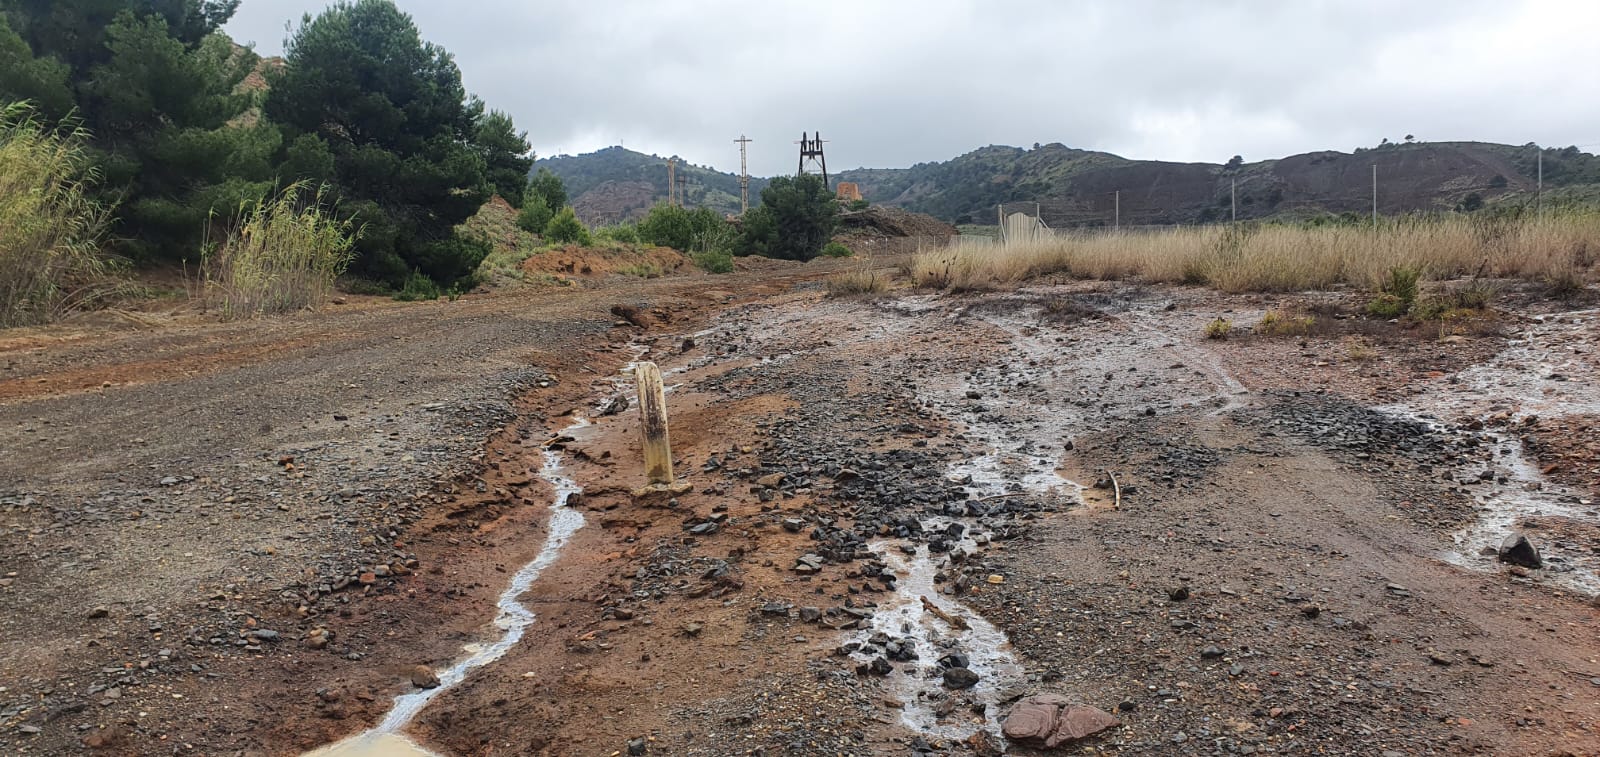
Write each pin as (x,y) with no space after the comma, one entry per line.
(245,538)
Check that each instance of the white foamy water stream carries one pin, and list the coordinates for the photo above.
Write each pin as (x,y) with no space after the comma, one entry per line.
(918,684)
(385,739)
(1546,372)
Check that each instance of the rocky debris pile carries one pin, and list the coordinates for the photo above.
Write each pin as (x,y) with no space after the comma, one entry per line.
(1051,720)
(878,221)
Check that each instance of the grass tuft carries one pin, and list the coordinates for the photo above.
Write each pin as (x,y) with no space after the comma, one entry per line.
(283,254)
(50,225)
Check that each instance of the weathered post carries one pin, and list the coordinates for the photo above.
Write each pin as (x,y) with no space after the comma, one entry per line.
(653,423)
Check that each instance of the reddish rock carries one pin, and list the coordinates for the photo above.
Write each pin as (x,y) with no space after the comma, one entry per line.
(1051,720)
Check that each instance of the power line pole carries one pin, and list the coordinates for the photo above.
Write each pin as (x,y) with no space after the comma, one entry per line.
(1116,220)
(1233,192)
(1538,196)
(672,182)
(744,176)
(1374,196)
(683,191)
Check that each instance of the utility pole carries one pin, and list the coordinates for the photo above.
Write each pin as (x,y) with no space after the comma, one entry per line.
(1538,196)
(1233,194)
(683,190)
(1374,196)
(744,176)
(672,182)
(1116,219)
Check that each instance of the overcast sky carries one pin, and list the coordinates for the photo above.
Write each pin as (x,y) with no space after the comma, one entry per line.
(890,84)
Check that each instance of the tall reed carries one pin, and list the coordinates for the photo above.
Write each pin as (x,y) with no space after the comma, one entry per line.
(51,226)
(283,254)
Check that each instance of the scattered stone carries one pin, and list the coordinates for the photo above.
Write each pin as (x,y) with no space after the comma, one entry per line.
(637,746)
(1518,550)
(960,678)
(99,612)
(1212,651)
(1178,593)
(423,677)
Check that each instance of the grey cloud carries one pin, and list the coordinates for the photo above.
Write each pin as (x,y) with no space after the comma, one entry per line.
(894,83)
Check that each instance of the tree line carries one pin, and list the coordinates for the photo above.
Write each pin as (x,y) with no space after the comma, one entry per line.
(185,127)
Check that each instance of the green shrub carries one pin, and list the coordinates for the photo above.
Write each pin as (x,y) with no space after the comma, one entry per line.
(625,233)
(714,261)
(1387,306)
(1397,292)
(679,228)
(858,205)
(836,250)
(535,215)
(50,227)
(1402,283)
(565,228)
(418,287)
(1219,328)
(283,254)
(714,248)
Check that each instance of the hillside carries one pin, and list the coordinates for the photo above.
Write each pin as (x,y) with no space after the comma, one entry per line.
(617,184)
(1079,187)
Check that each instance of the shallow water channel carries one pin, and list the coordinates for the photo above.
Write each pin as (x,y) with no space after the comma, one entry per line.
(386,739)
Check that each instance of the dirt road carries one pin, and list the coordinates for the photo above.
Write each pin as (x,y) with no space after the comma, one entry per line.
(907,514)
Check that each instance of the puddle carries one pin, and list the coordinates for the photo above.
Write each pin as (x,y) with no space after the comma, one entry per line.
(385,740)
(986,647)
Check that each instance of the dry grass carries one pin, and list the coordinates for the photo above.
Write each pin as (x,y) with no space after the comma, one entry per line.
(50,225)
(283,255)
(859,280)
(1558,249)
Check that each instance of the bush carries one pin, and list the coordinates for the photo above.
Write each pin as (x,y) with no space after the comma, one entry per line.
(714,249)
(565,228)
(1387,306)
(836,250)
(859,205)
(714,261)
(1401,282)
(535,215)
(1219,328)
(50,228)
(679,228)
(283,254)
(625,233)
(418,287)
(1397,292)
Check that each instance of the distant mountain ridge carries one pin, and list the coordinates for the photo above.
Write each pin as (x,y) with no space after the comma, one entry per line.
(1076,187)
(615,184)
